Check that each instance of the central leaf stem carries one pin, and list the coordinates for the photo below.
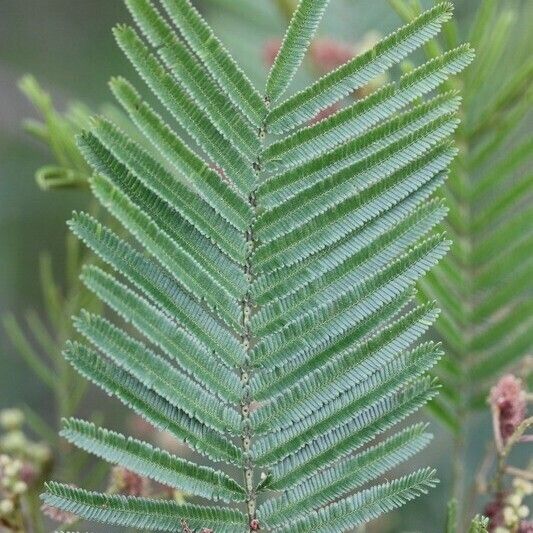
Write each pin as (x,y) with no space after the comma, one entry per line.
(247,396)
(246,369)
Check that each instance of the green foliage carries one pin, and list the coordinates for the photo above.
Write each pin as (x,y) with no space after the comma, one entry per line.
(479,524)
(149,461)
(38,339)
(264,283)
(58,132)
(141,513)
(301,29)
(484,285)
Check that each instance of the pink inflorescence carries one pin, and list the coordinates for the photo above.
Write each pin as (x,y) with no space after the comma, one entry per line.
(508,400)
(270,51)
(128,483)
(58,515)
(325,54)
(329,54)
(494,511)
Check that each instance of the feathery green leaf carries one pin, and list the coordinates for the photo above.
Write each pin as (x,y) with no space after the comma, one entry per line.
(302,27)
(266,307)
(349,474)
(196,80)
(151,462)
(139,513)
(152,407)
(218,61)
(367,505)
(214,190)
(356,119)
(359,71)
(158,286)
(157,327)
(183,108)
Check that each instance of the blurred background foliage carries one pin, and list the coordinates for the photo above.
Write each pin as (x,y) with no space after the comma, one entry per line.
(68,47)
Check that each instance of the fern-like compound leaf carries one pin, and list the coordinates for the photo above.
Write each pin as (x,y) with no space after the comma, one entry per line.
(157,285)
(308,142)
(366,505)
(171,256)
(163,332)
(156,373)
(205,180)
(156,464)
(343,373)
(183,108)
(302,27)
(140,513)
(149,405)
(285,185)
(344,438)
(356,247)
(217,60)
(189,72)
(265,385)
(329,227)
(483,285)
(342,478)
(346,183)
(134,160)
(359,71)
(323,322)
(382,384)
(263,276)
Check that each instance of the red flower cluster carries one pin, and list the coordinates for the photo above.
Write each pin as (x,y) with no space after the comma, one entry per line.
(508,401)
(494,511)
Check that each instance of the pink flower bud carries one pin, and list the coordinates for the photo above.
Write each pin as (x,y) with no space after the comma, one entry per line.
(508,401)
(28,473)
(329,54)
(128,483)
(270,51)
(494,511)
(57,515)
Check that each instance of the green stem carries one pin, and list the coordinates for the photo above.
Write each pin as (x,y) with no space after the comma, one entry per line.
(503,454)
(458,469)
(246,370)
(246,438)
(34,505)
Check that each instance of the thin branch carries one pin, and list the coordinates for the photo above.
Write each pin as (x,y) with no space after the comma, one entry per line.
(519,472)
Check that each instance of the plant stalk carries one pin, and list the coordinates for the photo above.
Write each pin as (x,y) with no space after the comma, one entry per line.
(246,369)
